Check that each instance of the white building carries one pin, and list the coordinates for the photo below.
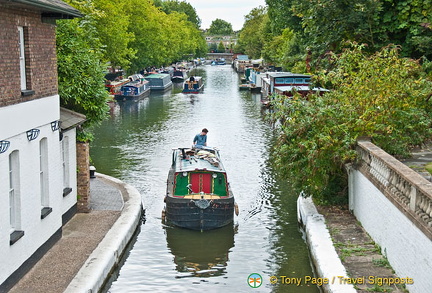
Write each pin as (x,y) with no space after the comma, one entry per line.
(37,155)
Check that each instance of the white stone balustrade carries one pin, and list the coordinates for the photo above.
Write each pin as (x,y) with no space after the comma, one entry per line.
(407,189)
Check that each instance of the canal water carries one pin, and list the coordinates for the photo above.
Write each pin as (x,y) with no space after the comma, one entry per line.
(135,146)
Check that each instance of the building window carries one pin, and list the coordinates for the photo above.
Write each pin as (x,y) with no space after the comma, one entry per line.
(43,176)
(22,58)
(65,164)
(14,198)
(22,32)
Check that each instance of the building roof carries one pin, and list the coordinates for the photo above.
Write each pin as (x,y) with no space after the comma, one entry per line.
(70,119)
(54,9)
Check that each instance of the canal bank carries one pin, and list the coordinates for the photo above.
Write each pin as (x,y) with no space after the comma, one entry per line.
(344,255)
(91,244)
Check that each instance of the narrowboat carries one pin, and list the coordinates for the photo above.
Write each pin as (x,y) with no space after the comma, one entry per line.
(159,81)
(255,79)
(198,195)
(219,61)
(193,85)
(179,76)
(244,87)
(241,63)
(136,88)
(287,83)
(114,86)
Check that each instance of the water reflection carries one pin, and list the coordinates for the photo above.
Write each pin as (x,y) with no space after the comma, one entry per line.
(200,254)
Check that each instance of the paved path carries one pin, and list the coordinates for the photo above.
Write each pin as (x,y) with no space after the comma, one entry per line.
(81,236)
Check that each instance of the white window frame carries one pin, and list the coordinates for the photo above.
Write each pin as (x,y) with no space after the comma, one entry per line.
(14,192)
(22,58)
(43,172)
(65,161)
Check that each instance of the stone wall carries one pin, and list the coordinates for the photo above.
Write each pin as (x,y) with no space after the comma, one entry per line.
(393,203)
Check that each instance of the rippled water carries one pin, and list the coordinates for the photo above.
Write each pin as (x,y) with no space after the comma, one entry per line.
(135,145)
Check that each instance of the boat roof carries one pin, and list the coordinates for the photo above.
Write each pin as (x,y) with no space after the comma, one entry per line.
(136,83)
(287,88)
(196,77)
(205,159)
(243,57)
(157,75)
(286,74)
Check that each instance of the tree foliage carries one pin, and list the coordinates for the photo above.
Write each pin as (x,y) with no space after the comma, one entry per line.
(182,7)
(324,25)
(251,37)
(113,27)
(160,40)
(220,27)
(80,72)
(381,96)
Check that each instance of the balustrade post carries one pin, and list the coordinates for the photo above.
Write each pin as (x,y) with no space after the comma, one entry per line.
(413,198)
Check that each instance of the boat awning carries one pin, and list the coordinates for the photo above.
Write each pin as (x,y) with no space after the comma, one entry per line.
(70,119)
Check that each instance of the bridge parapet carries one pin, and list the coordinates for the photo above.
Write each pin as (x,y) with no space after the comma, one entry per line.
(410,192)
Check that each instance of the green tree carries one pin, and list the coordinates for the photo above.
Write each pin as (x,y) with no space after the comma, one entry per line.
(286,50)
(382,96)
(112,25)
(80,72)
(160,38)
(406,23)
(324,25)
(220,27)
(213,47)
(252,35)
(181,7)
(221,47)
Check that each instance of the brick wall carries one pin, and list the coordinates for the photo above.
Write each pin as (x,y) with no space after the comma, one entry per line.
(83,177)
(41,62)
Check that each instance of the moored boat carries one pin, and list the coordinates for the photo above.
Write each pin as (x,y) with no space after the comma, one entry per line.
(179,75)
(219,61)
(198,196)
(114,86)
(193,85)
(287,83)
(136,88)
(159,81)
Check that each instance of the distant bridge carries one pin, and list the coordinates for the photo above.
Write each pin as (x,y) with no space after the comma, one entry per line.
(229,57)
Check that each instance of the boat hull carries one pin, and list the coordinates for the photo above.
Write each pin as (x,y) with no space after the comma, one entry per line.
(199,214)
(193,91)
(142,95)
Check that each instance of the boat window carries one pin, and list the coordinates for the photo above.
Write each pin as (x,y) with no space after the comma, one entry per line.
(289,80)
(279,80)
(299,80)
(307,80)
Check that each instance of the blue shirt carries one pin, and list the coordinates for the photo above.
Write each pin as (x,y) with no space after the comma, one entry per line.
(200,139)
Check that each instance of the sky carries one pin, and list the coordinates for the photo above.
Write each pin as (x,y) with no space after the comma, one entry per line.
(232,11)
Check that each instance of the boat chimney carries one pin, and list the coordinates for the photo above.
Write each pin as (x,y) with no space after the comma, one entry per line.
(183,153)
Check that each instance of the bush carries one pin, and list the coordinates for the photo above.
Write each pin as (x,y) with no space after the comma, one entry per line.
(380,96)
